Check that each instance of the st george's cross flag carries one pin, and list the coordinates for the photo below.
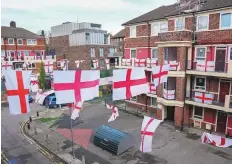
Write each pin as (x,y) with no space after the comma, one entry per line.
(17,90)
(115,113)
(128,83)
(159,74)
(48,65)
(216,140)
(75,86)
(107,63)
(6,65)
(149,126)
(76,110)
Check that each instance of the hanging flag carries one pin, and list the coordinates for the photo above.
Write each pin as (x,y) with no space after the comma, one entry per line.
(205,98)
(34,84)
(216,140)
(159,74)
(75,86)
(128,83)
(206,66)
(17,86)
(151,62)
(95,64)
(169,94)
(48,66)
(115,113)
(76,110)
(38,95)
(147,131)
(152,88)
(78,63)
(126,62)
(107,63)
(174,66)
(6,65)
(140,62)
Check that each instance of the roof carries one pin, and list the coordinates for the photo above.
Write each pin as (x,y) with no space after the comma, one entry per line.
(18,32)
(171,10)
(120,34)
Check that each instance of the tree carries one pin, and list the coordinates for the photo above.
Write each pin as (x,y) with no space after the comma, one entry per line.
(42,80)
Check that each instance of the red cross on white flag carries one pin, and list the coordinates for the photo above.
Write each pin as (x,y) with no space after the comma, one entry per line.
(169,94)
(151,62)
(159,74)
(147,131)
(174,66)
(17,89)
(206,66)
(75,86)
(107,63)
(115,113)
(140,62)
(128,83)
(48,66)
(205,98)
(95,64)
(76,110)
(216,140)
(126,62)
(6,65)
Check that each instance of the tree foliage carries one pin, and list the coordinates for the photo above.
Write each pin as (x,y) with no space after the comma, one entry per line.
(42,78)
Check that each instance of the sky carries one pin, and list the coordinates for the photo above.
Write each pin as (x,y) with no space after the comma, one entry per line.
(36,15)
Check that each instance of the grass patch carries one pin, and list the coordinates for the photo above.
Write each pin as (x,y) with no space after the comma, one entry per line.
(48,119)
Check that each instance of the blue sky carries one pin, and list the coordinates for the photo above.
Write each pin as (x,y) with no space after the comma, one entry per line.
(36,15)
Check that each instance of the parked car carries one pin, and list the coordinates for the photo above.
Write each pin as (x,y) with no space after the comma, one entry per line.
(52,102)
(30,99)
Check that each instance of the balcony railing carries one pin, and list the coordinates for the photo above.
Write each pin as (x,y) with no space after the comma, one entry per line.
(169,94)
(138,62)
(29,58)
(175,36)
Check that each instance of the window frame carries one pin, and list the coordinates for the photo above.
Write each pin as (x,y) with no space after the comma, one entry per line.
(198,116)
(31,40)
(160,23)
(18,68)
(156,48)
(195,82)
(18,42)
(221,20)
(153,33)
(182,26)
(94,55)
(9,43)
(230,54)
(101,55)
(133,49)
(151,102)
(195,59)
(131,27)
(30,66)
(205,29)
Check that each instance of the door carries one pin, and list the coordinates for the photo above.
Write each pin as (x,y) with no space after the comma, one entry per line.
(221,122)
(170,113)
(220,60)
(224,90)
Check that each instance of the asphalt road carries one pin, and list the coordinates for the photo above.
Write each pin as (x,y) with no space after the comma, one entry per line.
(14,146)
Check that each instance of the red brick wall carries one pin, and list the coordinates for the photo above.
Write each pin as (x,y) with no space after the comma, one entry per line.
(209,115)
(189,23)
(171,25)
(178,116)
(187,114)
(214,20)
(142,99)
(142,53)
(212,84)
(175,36)
(180,82)
(153,40)
(127,32)
(136,42)
(181,57)
(142,30)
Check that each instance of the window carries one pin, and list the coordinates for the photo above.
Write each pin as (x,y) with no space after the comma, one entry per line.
(31,65)
(133,98)
(19,41)
(2,52)
(87,37)
(92,52)
(102,63)
(2,41)
(198,112)
(10,41)
(133,54)
(230,53)
(153,101)
(202,23)
(26,53)
(155,29)
(200,53)
(18,66)
(154,53)
(226,20)
(105,39)
(101,52)
(200,83)
(180,24)
(163,26)
(132,31)
(31,42)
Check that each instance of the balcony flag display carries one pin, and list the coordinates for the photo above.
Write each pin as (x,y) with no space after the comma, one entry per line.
(76,110)
(205,98)
(6,65)
(128,83)
(75,86)
(149,126)
(169,94)
(151,62)
(64,64)
(107,63)
(174,66)
(34,84)
(216,140)
(78,62)
(206,66)
(126,62)
(48,66)
(140,62)
(95,64)
(159,74)
(115,113)
(17,90)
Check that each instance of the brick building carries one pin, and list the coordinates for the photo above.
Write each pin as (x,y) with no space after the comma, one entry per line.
(197,36)
(19,45)
(82,41)
(118,41)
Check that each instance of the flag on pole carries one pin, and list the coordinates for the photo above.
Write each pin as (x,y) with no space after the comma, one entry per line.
(128,83)
(75,86)
(149,126)
(115,113)
(76,110)
(17,89)
(215,140)
(159,74)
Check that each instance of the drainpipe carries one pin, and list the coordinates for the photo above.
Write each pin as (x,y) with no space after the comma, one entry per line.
(5,46)
(16,46)
(149,52)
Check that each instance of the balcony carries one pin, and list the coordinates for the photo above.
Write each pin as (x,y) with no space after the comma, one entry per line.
(115,54)
(169,91)
(175,36)
(29,58)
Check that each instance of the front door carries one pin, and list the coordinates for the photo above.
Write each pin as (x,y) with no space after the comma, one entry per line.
(170,113)
(220,60)
(224,90)
(221,122)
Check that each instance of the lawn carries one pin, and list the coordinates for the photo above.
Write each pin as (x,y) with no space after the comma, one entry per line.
(48,119)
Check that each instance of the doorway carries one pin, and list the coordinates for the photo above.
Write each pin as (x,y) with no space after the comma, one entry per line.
(170,113)
(224,90)
(220,60)
(221,122)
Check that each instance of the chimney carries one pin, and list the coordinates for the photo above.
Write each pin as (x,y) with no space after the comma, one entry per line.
(42,32)
(12,24)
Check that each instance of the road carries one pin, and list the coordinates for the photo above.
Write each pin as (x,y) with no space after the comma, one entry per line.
(14,146)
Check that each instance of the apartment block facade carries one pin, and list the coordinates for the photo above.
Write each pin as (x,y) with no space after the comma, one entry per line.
(82,41)
(195,38)
(19,45)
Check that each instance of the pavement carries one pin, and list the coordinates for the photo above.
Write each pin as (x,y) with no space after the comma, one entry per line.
(169,146)
(15,148)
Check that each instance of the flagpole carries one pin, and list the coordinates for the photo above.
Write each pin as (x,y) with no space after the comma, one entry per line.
(72,108)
